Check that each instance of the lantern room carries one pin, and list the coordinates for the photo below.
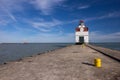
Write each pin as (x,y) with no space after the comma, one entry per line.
(81,33)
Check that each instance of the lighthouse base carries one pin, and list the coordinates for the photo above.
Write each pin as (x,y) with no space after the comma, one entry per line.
(79,43)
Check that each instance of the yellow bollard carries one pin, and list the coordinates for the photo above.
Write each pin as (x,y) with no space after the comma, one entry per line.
(97,62)
(83,45)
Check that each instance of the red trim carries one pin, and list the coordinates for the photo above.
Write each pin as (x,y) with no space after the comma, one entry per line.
(85,28)
(77,29)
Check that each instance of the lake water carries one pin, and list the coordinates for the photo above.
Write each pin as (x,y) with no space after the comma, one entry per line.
(15,51)
(115,46)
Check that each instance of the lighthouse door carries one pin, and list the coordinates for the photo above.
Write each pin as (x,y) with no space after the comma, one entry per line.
(81,39)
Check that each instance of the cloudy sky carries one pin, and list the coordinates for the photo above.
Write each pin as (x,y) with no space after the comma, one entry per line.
(56,20)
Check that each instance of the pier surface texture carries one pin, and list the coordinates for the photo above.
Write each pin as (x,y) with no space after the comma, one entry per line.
(74,62)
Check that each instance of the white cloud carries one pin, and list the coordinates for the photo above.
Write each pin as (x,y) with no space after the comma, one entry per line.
(71,21)
(11,15)
(49,37)
(40,37)
(46,26)
(97,36)
(46,6)
(3,22)
(8,7)
(83,6)
(109,15)
(12,5)
(7,15)
(43,29)
(24,29)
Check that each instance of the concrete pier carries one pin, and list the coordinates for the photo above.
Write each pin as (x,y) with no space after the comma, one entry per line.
(74,62)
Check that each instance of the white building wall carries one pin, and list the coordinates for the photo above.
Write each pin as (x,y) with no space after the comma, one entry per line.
(82,34)
(77,39)
(86,39)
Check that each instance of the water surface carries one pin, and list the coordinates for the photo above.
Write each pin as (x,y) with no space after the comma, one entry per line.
(15,51)
(113,45)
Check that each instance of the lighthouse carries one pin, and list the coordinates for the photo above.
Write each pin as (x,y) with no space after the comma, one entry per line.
(81,33)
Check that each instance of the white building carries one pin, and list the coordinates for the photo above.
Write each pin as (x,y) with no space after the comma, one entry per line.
(81,34)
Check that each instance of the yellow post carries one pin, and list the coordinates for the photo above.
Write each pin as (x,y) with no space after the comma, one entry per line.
(83,45)
(97,62)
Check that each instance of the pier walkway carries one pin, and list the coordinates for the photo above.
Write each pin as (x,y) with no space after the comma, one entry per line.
(74,62)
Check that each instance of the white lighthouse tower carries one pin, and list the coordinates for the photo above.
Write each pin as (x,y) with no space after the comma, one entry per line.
(81,34)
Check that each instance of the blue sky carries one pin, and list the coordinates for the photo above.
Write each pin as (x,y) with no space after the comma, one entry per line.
(56,20)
